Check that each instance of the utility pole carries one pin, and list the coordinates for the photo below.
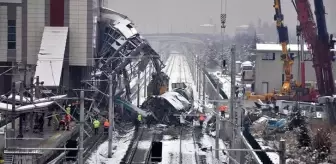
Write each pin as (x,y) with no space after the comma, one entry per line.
(217,122)
(199,83)
(138,92)
(232,95)
(282,153)
(81,132)
(31,101)
(196,73)
(111,117)
(37,87)
(21,115)
(13,106)
(302,64)
(145,82)
(204,86)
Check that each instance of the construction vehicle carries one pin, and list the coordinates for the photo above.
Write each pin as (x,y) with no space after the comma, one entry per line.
(320,44)
(291,89)
(283,39)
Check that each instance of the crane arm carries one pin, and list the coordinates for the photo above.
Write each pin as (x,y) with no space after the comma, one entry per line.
(283,39)
(317,39)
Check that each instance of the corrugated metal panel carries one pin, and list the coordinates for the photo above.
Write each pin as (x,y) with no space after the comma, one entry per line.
(51,55)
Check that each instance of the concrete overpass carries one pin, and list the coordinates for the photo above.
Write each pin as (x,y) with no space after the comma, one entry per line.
(190,38)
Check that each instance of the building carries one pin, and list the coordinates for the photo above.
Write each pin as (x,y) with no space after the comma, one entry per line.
(269,67)
(243,29)
(24,22)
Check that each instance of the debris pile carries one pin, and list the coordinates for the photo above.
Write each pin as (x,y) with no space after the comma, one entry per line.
(167,107)
(297,124)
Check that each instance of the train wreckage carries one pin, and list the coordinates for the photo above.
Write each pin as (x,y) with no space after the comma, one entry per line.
(166,107)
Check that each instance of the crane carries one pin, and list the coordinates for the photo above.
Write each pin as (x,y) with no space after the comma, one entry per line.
(320,45)
(317,38)
(283,39)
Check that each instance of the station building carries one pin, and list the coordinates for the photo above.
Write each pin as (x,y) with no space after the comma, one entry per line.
(269,73)
(52,39)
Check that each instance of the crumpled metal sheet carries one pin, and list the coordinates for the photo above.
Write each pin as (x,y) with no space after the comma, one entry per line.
(167,107)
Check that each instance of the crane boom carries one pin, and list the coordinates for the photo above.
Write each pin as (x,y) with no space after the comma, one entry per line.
(283,39)
(318,42)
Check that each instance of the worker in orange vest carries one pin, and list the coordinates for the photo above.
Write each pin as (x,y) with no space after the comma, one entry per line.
(201,119)
(223,109)
(106,126)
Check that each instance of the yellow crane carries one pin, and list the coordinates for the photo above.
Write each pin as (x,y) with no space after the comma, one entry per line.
(283,39)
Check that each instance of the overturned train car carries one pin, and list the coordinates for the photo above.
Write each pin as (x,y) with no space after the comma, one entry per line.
(167,108)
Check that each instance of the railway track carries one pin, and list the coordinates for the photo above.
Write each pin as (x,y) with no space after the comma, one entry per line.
(199,159)
(136,154)
(171,66)
(92,143)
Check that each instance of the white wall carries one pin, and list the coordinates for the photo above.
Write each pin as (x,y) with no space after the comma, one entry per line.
(271,71)
(3,33)
(78,32)
(35,26)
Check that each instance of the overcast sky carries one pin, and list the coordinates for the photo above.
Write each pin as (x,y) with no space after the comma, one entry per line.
(163,16)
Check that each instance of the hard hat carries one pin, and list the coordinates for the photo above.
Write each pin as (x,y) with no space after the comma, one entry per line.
(69,105)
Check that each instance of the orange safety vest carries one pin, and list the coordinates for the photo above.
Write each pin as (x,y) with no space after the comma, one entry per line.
(106,124)
(202,118)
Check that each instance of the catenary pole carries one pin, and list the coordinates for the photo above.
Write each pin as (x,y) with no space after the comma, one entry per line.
(217,122)
(81,132)
(110,131)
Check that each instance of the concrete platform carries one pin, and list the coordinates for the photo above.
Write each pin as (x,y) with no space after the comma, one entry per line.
(50,138)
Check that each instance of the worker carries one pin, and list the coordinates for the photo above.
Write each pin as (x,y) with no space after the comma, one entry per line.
(106,126)
(149,120)
(61,124)
(67,121)
(223,109)
(136,121)
(139,118)
(41,122)
(201,119)
(96,125)
(68,109)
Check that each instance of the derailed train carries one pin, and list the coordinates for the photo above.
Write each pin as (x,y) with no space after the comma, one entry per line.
(168,107)
(121,50)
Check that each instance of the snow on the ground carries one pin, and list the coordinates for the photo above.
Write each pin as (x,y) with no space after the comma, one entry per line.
(226,81)
(272,155)
(208,142)
(144,144)
(120,145)
(171,150)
